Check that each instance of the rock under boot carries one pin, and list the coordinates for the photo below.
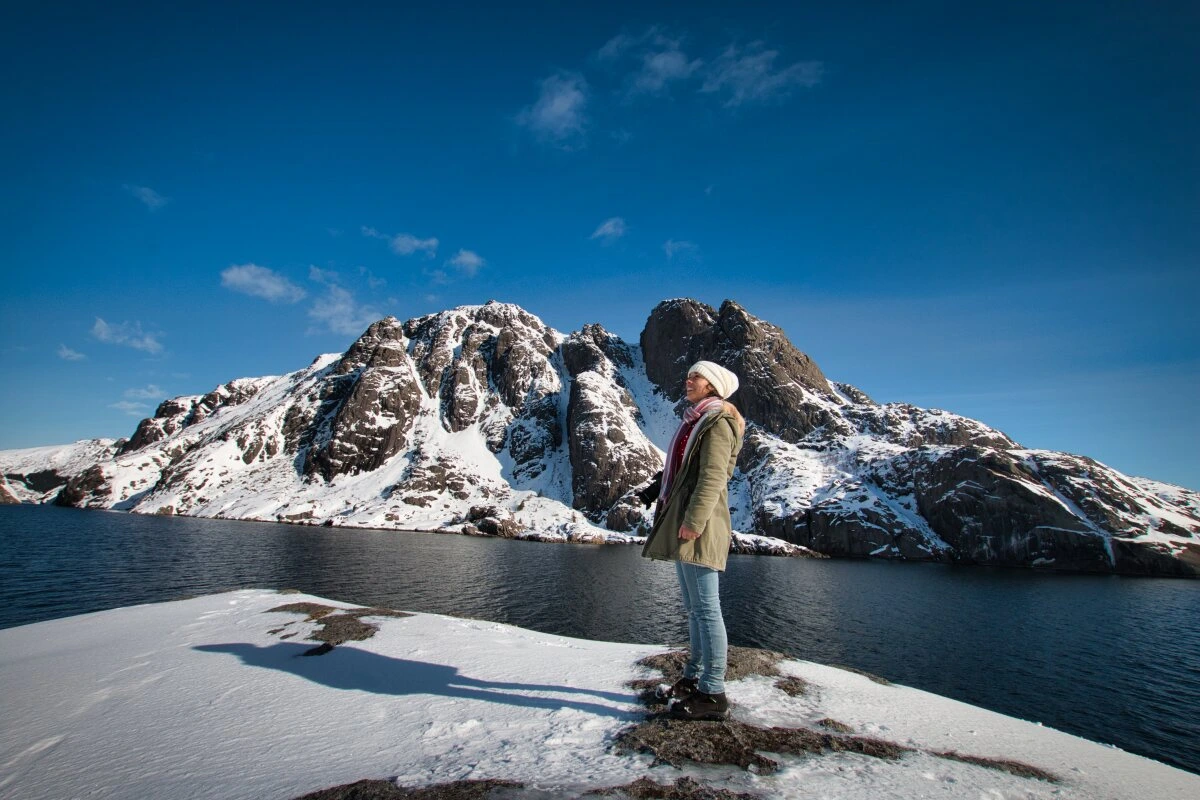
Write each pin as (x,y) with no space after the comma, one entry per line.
(680,690)
(701,705)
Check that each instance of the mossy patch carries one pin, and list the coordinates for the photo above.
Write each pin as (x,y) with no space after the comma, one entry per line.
(864,673)
(387,790)
(739,744)
(682,789)
(336,625)
(1003,765)
(792,686)
(742,663)
(835,726)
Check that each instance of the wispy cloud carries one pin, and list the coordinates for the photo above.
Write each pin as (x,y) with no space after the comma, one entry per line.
(372,281)
(468,262)
(261,282)
(67,354)
(610,230)
(129,334)
(148,392)
(660,69)
(131,408)
(152,199)
(337,309)
(405,244)
(659,58)
(749,75)
(683,251)
(559,116)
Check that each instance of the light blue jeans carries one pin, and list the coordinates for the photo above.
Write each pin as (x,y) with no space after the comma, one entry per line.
(708,644)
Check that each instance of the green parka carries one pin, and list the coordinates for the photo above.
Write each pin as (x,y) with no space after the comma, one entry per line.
(699,497)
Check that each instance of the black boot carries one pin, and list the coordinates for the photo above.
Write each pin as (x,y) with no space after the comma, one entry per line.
(680,690)
(701,705)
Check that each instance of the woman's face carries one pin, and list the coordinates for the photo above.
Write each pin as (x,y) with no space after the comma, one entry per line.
(697,387)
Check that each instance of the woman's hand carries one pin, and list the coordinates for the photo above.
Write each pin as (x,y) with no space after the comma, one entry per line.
(687,534)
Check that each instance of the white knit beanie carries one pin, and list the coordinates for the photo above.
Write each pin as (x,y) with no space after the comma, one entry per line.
(724,381)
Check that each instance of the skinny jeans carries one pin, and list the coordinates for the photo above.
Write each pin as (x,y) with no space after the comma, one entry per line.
(708,645)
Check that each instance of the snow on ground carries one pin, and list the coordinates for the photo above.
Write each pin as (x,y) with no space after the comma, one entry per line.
(210,698)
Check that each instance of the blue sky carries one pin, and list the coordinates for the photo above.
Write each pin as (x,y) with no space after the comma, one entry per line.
(992,208)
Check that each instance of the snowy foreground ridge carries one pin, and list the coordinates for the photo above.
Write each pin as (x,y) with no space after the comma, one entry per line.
(213,698)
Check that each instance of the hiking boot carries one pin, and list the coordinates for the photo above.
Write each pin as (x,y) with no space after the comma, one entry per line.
(701,705)
(680,690)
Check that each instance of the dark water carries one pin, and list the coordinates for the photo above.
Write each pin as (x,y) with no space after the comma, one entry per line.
(1112,659)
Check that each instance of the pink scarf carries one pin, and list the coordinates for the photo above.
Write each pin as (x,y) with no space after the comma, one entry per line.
(686,428)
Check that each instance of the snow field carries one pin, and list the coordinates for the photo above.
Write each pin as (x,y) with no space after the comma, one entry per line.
(211,698)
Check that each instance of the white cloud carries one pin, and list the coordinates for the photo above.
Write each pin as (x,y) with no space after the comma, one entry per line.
(337,309)
(405,244)
(683,251)
(610,230)
(67,354)
(660,58)
(372,281)
(750,75)
(559,116)
(131,408)
(468,262)
(615,48)
(261,282)
(129,334)
(324,276)
(151,198)
(660,69)
(149,392)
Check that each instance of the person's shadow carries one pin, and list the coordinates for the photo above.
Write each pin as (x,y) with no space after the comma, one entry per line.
(362,670)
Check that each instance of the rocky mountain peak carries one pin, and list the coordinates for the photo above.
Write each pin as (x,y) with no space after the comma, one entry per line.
(782,389)
(483,418)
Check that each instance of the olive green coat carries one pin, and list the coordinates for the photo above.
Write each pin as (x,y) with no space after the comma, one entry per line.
(699,497)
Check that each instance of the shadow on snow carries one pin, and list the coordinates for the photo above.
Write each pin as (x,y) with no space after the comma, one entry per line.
(351,669)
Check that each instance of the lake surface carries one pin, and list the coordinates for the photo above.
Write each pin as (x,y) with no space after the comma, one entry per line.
(1113,659)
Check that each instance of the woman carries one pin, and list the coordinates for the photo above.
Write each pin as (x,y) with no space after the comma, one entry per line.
(693,529)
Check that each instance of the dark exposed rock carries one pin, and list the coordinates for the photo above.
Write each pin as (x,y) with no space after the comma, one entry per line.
(7,498)
(177,413)
(781,389)
(911,426)
(677,742)
(388,790)
(684,788)
(41,481)
(87,489)
(793,687)
(367,413)
(991,508)
(609,456)
(337,626)
(1002,765)
(833,725)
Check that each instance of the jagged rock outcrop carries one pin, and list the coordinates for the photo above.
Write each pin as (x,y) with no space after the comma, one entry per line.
(782,390)
(610,456)
(368,408)
(828,468)
(483,420)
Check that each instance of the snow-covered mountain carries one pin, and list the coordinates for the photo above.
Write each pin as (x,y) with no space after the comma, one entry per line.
(484,420)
